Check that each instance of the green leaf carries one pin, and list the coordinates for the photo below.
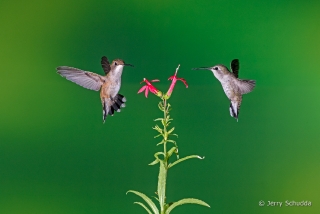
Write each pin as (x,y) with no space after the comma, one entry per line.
(171,151)
(146,199)
(183,159)
(158,135)
(162,184)
(168,105)
(186,201)
(144,206)
(155,198)
(172,141)
(175,135)
(160,106)
(162,142)
(171,130)
(168,118)
(158,129)
(156,155)
(154,162)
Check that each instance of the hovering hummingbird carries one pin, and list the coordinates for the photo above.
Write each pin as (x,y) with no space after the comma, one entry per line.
(232,86)
(109,84)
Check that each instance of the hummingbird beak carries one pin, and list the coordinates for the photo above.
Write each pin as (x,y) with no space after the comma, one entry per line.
(128,65)
(202,68)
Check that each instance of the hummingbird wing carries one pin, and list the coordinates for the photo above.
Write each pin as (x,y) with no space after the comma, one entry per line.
(86,79)
(245,86)
(235,67)
(105,65)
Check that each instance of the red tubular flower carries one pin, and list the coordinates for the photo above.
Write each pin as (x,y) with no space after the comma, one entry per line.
(174,79)
(149,87)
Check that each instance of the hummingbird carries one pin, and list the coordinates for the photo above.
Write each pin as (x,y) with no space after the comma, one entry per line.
(233,87)
(109,84)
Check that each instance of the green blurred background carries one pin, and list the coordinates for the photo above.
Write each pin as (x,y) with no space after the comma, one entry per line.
(56,156)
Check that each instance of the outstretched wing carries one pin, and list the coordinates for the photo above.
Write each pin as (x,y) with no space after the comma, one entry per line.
(105,64)
(235,67)
(86,79)
(246,86)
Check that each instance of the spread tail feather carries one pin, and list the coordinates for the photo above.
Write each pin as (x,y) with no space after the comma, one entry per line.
(109,106)
(234,109)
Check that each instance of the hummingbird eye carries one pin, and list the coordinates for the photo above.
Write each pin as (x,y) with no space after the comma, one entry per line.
(115,63)
(215,68)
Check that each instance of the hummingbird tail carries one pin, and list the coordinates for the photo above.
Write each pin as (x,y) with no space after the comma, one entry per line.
(109,106)
(234,109)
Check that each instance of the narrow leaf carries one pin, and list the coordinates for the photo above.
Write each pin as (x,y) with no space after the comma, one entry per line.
(156,155)
(183,159)
(160,106)
(157,128)
(158,135)
(158,119)
(171,130)
(154,162)
(146,199)
(172,141)
(171,151)
(186,201)
(160,143)
(168,107)
(144,206)
(156,198)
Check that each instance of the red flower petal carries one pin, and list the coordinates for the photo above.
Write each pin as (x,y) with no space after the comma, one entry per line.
(146,91)
(184,81)
(142,89)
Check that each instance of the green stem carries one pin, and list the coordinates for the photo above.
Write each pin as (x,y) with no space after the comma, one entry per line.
(165,128)
(163,166)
